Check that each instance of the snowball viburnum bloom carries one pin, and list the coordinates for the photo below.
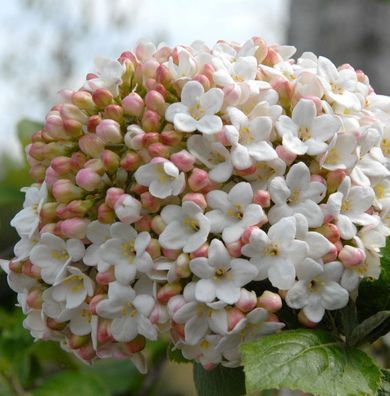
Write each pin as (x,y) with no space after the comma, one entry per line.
(276,254)
(297,194)
(27,220)
(220,275)
(304,132)
(129,313)
(249,139)
(52,254)
(185,68)
(317,289)
(197,109)
(97,233)
(233,212)
(162,177)
(187,227)
(126,251)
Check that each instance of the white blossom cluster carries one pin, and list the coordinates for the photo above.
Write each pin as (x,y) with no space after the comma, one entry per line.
(194,191)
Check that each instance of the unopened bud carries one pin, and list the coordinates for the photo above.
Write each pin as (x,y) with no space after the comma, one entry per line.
(136,345)
(158,150)
(89,180)
(110,160)
(262,198)
(245,237)
(93,122)
(95,300)
(151,121)
(285,155)
(183,266)
(247,300)
(62,165)
(52,324)
(329,231)
(76,342)
(171,137)
(234,315)
(201,251)
(334,179)
(87,352)
(154,248)
(127,209)
(351,256)
(104,331)
(270,301)
(167,291)
(34,298)
(130,161)
(91,145)
(109,131)
(48,212)
(106,214)
(331,255)
(155,101)
(234,248)
(84,101)
(171,254)
(65,191)
(183,160)
(112,195)
(174,304)
(102,97)
(159,314)
(74,228)
(198,180)
(133,105)
(158,225)
(71,112)
(104,278)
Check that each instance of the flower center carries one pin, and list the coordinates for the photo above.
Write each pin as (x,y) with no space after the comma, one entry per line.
(192,224)
(59,255)
(246,136)
(385,146)
(379,191)
(128,309)
(204,344)
(304,133)
(271,249)
(336,88)
(345,205)
(236,212)
(128,250)
(196,111)
(333,156)
(295,197)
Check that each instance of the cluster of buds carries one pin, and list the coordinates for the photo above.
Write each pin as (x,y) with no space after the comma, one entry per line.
(194,191)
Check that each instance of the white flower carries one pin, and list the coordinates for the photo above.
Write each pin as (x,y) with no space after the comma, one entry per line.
(187,227)
(212,154)
(348,206)
(231,53)
(197,109)
(265,172)
(204,351)
(97,233)
(276,254)
(52,254)
(109,76)
(22,248)
(341,153)
(162,177)
(249,138)
(304,132)
(82,322)
(220,275)
(18,282)
(317,289)
(199,319)
(27,220)
(185,68)
(297,194)
(126,251)
(129,313)
(233,212)
(128,209)
(35,323)
(368,167)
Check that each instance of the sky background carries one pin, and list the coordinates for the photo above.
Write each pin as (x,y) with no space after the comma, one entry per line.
(46,45)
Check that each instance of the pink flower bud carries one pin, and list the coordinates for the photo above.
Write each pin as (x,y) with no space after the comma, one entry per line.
(143,224)
(329,231)
(76,342)
(74,228)
(38,173)
(93,122)
(234,248)
(158,225)
(104,331)
(95,300)
(203,80)
(159,314)
(246,171)
(200,252)
(91,145)
(112,195)
(78,160)
(61,165)
(163,75)
(196,198)
(130,161)
(351,256)
(262,198)
(71,112)
(234,317)
(149,68)
(15,266)
(84,101)
(79,207)
(37,151)
(174,304)
(110,160)
(334,179)
(158,150)
(54,127)
(52,324)
(183,266)
(171,138)
(331,255)
(247,234)
(154,248)
(109,131)
(87,352)
(151,121)
(106,215)
(149,202)
(133,105)
(156,102)
(34,298)
(102,97)
(114,112)
(127,209)
(270,301)
(177,330)
(167,291)
(170,254)
(318,179)
(89,180)
(104,278)
(285,155)
(136,345)
(48,212)
(198,180)
(247,301)
(65,191)
(183,160)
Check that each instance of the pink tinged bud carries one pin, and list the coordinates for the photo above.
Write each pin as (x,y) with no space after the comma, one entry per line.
(136,345)
(89,180)
(52,324)
(95,300)
(143,224)
(222,138)
(247,234)
(150,68)
(150,138)
(76,342)
(331,255)
(183,266)
(93,122)
(156,102)
(106,215)
(78,160)
(102,97)
(87,352)
(84,101)
(234,248)
(247,171)
(79,207)
(158,150)
(175,303)
(104,331)
(114,112)
(127,209)
(109,131)
(168,291)
(96,165)
(163,75)
(73,128)
(329,231)
(334,179)
(34,299)
(154,248)
(149,202)
(232,94)
(171,138)
(270,301)
(91,145)
(203,80)
(15,266)
(54,127)
(112,195)
(304,321)
(158,225)
(38,173)
(273,318)
(318,179)
(71,112)
(138,189)
(62,165)
(198,180)
(151,121)
(351,256)
(247,300)
(159,314)
(74,228)
(133,105)
(201,252)
(262,198)
(170,254)
(65,191)
(55,149)
(104,278)
(50,228)
(37,151)
(177,330)
(130,161)
(196,198)
(31,270)
(48,212)
(234,317)
(110,161)
(285,155)
(183,160)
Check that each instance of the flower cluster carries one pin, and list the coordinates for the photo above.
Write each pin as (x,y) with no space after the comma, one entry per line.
(194,191)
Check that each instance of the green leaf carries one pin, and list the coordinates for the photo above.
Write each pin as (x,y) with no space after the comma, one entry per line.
(371,329)
(311,361)
(9,195)
(348,316)
(219,381)
(175,355)
(384,389)
(69,383)
(25,129)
